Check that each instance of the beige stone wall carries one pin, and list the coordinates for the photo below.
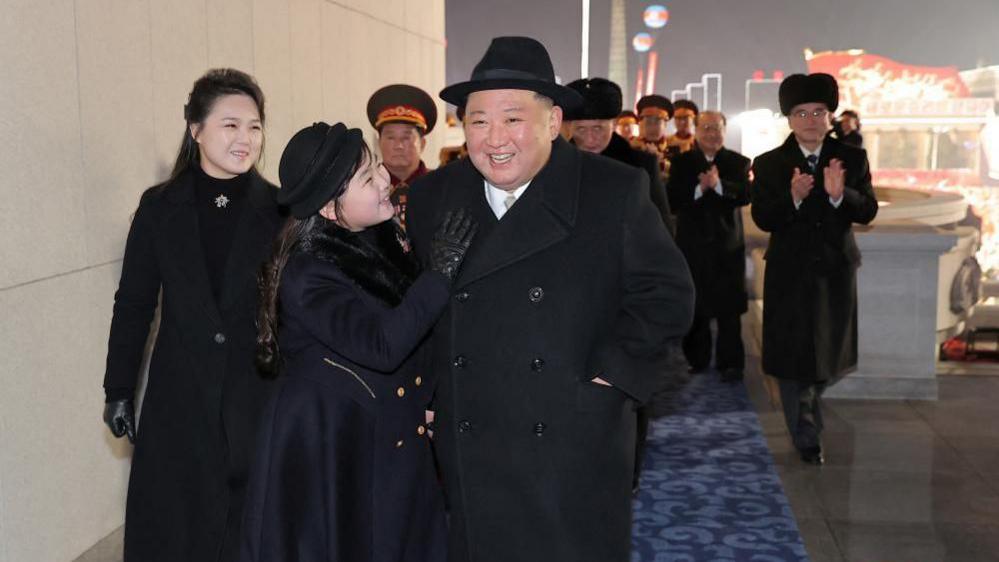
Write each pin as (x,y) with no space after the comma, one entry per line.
(92,94)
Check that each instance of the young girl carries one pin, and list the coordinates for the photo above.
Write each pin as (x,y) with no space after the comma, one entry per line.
(193,250)
(344,469)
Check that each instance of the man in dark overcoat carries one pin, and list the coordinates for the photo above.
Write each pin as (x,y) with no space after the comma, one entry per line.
(807,193)
(557,324)
(592,127)
(708,187)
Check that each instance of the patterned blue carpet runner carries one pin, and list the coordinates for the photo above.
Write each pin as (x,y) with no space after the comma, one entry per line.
(709,490)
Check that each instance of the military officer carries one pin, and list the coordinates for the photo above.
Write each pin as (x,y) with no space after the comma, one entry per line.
(682,140)
(403,115)
(654,113)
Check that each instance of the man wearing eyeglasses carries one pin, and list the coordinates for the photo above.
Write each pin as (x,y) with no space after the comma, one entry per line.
(807,193)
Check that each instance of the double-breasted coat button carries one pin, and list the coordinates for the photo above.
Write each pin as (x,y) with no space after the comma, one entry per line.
(420,430)
(536,294)
(219,338)
(539,428)
(398,444)
(460,361)
(418,381)
(461,296)
(537,365)
(400,392)
(464,425)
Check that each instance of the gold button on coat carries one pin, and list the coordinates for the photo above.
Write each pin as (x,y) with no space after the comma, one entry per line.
(401,392)
(421,430)
(418,381)
(398,444)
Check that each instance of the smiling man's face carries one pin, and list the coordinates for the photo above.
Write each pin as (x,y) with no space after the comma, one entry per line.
(509,135)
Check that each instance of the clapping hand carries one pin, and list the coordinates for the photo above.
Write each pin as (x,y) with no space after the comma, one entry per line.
(709,179)
(833,176)
(801,185)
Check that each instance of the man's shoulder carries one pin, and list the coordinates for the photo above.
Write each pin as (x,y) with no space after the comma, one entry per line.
(643,159)
(846,151)
(769,157)
(734,158)
(598,168)
(685,158)
(600,176)
(433,183)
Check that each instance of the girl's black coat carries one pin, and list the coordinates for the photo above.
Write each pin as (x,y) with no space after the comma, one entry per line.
(344,469)
(204,396)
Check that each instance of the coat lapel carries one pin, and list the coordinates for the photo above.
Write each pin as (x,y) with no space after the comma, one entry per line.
(253,233)
(188,256)
(542,217)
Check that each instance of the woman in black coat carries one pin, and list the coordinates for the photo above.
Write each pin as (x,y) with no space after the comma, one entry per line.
(344,470)
(194,248)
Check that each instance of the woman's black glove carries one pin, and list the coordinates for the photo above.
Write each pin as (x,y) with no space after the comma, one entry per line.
(450,243)
(120,417)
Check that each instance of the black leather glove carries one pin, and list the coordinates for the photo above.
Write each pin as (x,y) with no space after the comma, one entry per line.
(450,243)
(120,417)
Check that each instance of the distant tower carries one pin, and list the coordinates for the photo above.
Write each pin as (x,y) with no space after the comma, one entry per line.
(618,62)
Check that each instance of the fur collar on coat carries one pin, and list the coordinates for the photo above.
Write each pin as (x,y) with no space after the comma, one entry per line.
(377,260)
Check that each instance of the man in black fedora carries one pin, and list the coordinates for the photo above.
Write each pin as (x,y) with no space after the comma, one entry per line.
(807,193)
(557,326)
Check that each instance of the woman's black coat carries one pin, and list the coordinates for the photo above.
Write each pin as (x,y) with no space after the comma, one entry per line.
(810,280)
(204,395)
(344,470)
(709,229)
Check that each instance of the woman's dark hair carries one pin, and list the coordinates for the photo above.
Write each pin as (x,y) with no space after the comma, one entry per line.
(216,83)
(268,357)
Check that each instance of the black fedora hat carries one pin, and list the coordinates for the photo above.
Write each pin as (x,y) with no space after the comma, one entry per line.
(315,165)
(514,63)
(818,87)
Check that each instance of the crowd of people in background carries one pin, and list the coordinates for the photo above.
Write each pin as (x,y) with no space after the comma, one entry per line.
(383,362)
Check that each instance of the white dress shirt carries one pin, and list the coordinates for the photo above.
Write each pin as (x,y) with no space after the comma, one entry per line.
(496,197)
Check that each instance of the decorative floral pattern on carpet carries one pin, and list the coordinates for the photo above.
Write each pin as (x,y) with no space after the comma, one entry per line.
(709,491)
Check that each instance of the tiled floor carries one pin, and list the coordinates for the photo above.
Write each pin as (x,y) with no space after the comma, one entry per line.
(903,481)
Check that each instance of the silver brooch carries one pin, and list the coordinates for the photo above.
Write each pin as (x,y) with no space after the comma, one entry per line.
(221,201)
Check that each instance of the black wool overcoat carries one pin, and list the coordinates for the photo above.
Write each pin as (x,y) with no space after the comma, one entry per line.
(204,395)
(344,469)
(620,150)
(810,281)
(709,228)
(579,279)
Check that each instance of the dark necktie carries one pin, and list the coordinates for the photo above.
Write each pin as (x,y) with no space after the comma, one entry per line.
(813,161)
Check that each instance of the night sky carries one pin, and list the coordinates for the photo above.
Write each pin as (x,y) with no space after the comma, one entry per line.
(734,37)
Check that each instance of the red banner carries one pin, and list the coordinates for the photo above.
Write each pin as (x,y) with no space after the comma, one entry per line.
(868,78)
